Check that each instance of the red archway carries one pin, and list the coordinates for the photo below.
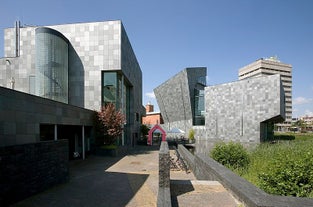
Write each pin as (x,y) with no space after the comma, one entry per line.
(149,141)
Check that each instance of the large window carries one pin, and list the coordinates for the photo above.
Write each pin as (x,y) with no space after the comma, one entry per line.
(116,90)
(199,118)
(109,88)
(51,65)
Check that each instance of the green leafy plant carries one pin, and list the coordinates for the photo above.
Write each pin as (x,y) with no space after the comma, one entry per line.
(232,155)
(290,173)
(283,168)
(191,134)
(144,129)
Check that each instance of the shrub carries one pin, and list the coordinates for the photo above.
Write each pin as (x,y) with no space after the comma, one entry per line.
(232,155)
(284,137)
(191,134)
(110,123)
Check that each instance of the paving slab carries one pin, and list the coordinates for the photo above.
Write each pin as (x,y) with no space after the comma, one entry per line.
(187,191)
(194,193)
(129,181)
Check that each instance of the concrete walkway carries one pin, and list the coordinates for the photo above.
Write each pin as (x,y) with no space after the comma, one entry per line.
(128,181)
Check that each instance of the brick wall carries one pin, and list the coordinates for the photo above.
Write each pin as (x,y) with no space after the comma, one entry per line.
(31,168)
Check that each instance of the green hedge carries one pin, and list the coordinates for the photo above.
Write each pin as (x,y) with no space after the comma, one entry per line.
(232,155)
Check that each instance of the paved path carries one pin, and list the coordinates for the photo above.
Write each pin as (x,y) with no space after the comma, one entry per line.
(130,181)
(187,191)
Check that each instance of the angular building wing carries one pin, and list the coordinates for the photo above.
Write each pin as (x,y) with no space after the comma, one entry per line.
(244,111)
(270,66)
(181,99)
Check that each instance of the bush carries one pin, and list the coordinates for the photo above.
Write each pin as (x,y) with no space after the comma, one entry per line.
(284,137)
(191,134)
(232,155)
(290,173)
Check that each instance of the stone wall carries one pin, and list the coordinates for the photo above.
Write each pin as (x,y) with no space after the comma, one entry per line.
(21,115)
(234,111)
(164,193)
(175,98)
(205,168)
(31,168)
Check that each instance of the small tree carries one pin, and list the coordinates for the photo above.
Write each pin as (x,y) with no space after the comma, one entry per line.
(144,130)
(111,123)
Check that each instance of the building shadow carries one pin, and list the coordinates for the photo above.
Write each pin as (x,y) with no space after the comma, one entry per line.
(90,184)
(179,187)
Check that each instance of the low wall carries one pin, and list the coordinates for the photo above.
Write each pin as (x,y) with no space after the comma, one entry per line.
(205,168)
(31,168)
(164,193)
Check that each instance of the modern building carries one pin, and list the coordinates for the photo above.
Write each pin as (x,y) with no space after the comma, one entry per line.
(152,117)
(270,66)
(243,111)
(26,118)
(181,99)
(84,65)
(303,124)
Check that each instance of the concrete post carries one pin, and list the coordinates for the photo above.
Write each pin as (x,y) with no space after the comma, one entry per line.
(55,132)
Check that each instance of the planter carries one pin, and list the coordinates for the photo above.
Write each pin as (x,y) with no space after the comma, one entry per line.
(191,141)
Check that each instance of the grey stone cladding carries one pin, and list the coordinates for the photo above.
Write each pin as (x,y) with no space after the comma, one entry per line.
(175,98)
(94,47)
(21,115)
(235,111)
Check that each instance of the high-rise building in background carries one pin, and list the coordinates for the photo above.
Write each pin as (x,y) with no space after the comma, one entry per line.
(271,66)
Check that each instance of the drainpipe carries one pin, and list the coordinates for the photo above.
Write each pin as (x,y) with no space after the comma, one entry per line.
(55,132)
(83,141)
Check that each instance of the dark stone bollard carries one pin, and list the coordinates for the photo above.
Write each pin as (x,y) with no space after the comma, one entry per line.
(164,194)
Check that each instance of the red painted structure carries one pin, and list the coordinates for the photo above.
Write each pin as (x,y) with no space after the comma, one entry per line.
(149,141)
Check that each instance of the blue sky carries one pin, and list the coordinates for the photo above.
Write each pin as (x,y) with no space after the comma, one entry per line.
(170,35)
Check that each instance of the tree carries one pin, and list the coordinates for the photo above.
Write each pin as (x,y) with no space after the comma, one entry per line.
(144,130)
(111,123)
(300,124)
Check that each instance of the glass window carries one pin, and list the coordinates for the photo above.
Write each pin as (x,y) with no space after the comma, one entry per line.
(51,65)
(199,117)
(109,87)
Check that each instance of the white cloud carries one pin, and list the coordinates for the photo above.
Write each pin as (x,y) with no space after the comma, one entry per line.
(308,113)
(150,95)
(301,100)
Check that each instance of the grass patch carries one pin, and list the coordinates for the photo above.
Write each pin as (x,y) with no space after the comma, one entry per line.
(283,168)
